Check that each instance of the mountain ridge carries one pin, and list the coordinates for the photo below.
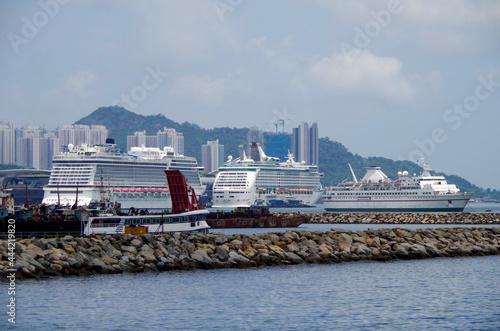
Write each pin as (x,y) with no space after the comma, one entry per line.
(333,156)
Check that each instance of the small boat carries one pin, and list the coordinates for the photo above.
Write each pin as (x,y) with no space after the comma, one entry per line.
(186,216)
(288,202)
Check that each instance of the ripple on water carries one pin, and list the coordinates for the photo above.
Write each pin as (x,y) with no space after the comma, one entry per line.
(443,293)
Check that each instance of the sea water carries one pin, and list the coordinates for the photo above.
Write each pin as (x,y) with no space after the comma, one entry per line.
(432,294)
(435,294)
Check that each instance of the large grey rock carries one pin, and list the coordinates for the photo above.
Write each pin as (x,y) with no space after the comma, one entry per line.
(146,249)
(131,249)
(220,254)
(294,258)
(96,264)
(73,263)
(32,261)
(149,258)
(201,256)
(112,251)
(136,242)
(359,240)
(240,261)
(52,242)
(220,240)
(57,254)
(400,250)
(34,251)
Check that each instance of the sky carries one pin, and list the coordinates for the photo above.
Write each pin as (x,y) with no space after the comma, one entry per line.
(396,79)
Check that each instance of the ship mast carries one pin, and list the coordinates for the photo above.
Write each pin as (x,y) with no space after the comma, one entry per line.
(352,172)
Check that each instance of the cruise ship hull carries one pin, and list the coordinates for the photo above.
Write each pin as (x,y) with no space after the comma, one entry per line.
(102,173)
(262,180)
(438,203)
(142,199)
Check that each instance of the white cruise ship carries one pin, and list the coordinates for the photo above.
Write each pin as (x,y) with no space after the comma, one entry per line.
(88,174)
(377,192)
(257,180)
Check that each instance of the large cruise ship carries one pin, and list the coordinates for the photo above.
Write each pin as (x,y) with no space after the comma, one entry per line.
(259,179)
(86,174)
(377,192)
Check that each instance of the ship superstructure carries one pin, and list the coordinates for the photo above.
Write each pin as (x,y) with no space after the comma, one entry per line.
(255,180)
(377,192)
(86,174)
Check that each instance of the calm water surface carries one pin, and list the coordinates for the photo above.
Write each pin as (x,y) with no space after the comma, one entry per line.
(435,294)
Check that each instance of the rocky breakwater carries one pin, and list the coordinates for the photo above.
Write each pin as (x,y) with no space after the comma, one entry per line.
(184,251)
(404,218)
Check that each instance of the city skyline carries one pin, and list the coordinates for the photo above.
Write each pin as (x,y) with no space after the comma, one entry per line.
(28,145)
(212,156)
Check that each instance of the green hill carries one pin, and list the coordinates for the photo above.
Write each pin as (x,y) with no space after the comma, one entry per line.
(122,123)
(333,156)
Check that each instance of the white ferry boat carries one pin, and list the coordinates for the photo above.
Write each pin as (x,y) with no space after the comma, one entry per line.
(377,192)
(186,216)
(244,181)
(87,174)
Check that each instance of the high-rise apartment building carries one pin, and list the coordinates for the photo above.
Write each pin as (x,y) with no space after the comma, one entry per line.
(81,134)
(212,156)
(172,138)
(7,142)
(44,149)
(140,139)
(166,137)
(304,143)
(35,147)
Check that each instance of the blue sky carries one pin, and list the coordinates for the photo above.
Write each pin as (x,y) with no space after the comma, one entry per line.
(398,79)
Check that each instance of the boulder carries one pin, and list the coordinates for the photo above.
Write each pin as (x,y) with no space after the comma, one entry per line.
(238,260)
(294,258)
(131,249)
(28,258)
(201,256)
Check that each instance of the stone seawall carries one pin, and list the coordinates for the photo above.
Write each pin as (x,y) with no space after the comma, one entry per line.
(185,251)
(404,218)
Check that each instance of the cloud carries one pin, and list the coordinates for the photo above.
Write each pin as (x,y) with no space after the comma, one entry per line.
(80,83)
(204,89)
(442,27)
(364,75)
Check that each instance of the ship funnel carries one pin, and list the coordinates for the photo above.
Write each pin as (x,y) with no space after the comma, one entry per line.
(110,141)
(242,152)
(254,152)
